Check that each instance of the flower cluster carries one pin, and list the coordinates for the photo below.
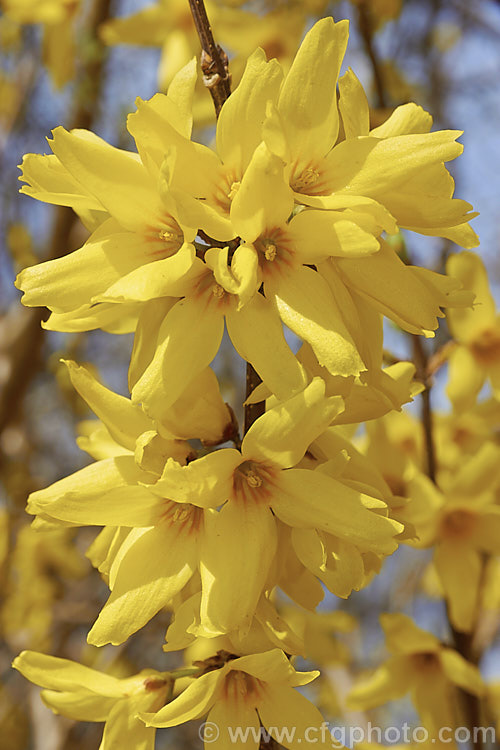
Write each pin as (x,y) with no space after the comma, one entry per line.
(286,222)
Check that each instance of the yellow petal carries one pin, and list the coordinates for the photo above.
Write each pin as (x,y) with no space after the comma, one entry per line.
(150,319)
(466,324)
(434,701)
(115,252)
(62,674)
(338,564)
(308,102)
(124,420)
(406,119)
(98,480)
(396,290)
(264,200)
(369,166)
(273,666)
(477,474)
(389,682)
(229,715)
(459,569)
(461,672)
(242,276)
(488,531)
(123,728)
(115,177)
(168,277)
(154,128)
(154,570)
(282,435)
(257,335)
(237,551)
(188,341)
(49,181)
(302,498)
(404,637)
(199,412)
(206,482)
(353,106)
(318,235)
(109,317)
(465,379)
(121,506)
(291,719)
(245,110)
(356,203)
(306,305)
(192,703)
(79,706)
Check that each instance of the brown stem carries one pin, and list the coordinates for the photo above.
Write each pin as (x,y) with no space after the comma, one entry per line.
(214,62)
(464,644)
(252,411)
(422,374)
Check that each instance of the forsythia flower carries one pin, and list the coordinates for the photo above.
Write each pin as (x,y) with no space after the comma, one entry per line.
(260,200)
(477,334)
(422,666)
(261,486)
(462,522)
(249,691)
(109,492)
(84,694)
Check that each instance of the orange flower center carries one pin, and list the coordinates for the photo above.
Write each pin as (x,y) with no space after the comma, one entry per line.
(458,524)
(164,239)
(486,347)
(225,187)
(309,179)
(252,482)
(275,252)
(184,517)
(154,683)
(208,288)
(426,662)
(240,686)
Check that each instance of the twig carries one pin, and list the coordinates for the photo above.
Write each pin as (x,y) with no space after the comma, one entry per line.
(464,644)
(252,411)
(422,374)
(214,62)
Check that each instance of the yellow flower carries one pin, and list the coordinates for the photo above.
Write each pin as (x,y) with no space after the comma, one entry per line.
(269,629)
(476,357)
(462,522)
(183,336)
(420,665)
(84,694)
(141,243)
(249,692)
(261,487)
(396,168)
